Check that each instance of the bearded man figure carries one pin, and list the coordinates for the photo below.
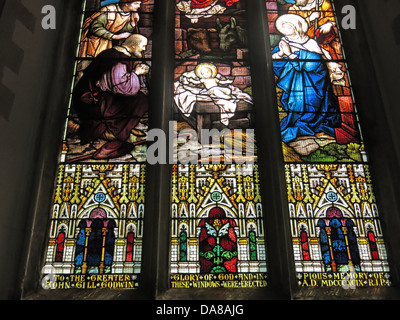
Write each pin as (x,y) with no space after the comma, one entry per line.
(109,100)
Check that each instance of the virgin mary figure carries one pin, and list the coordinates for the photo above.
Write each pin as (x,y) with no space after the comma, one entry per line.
(305,78)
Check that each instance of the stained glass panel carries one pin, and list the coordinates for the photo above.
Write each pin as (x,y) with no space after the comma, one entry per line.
(335,225)
(334,216)
(218,209)
(217,235)
(96,230)
(98,210)
(315,99)
(108,114)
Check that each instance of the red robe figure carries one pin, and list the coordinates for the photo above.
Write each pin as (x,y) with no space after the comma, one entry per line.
(204,3)
(218,243)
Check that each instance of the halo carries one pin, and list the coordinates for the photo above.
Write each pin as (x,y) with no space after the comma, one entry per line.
(293,19)
(203,65)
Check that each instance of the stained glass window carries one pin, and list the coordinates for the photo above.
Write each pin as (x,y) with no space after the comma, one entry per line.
(96,228)
(217,231)
(217,227)
(335,225)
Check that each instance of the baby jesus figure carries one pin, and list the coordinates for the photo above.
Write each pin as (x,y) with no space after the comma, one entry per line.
(213,82)
(205,84)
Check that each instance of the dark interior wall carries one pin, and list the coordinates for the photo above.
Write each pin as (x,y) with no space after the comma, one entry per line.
(29,75)
(381,22)
(22,59)
(34,64)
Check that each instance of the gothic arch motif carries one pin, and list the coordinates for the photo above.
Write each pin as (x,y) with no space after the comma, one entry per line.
(218,243)
(223,225)
(183,242)
(94,252)
(303,235)
(60,244)
(338,241)
(100,210)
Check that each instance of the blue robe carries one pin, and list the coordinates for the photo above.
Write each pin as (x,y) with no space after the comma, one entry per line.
(107,2)
(307,96)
